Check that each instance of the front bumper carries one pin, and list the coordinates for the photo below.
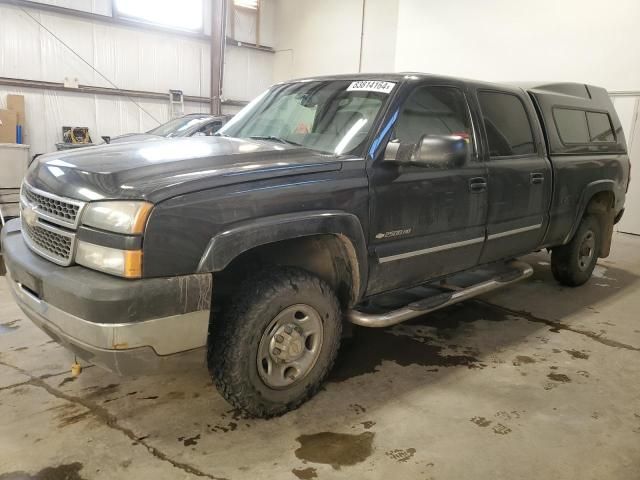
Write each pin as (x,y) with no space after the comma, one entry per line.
(126,326)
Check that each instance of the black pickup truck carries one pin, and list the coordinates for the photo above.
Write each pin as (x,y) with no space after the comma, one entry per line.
(318,198)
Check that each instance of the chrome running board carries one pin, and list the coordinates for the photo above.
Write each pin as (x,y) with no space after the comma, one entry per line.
(517,271)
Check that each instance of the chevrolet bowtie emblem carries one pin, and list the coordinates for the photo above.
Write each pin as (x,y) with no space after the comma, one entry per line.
(29,215)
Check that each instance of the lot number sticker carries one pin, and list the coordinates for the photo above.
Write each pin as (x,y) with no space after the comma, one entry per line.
(371,86)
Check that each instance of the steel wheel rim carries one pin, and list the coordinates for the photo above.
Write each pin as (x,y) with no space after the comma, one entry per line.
(290,346)
(586,250)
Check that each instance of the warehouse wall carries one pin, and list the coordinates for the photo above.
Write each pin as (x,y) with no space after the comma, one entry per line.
(321,38)
(628,108)
(132,58)
(379,35)
(499,40)
(314,38)
(575,40)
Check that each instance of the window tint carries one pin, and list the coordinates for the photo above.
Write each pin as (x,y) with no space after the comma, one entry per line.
(572,125)
(580,126)
(433,111)
(507,124)
(600,127)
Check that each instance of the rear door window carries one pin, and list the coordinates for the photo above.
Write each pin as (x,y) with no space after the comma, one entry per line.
(507,124)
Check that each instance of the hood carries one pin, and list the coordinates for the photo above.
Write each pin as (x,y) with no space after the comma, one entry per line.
(155,171)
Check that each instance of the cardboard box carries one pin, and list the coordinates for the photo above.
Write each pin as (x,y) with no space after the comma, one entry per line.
(16,103)
(8,123)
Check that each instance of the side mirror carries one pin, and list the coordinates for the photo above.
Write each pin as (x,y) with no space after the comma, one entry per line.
(431,151)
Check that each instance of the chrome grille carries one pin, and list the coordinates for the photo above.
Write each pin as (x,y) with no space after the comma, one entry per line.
(49,223)
(50,242)
(51,206)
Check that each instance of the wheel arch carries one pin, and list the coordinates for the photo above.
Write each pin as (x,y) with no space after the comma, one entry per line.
(598,198)
(329,244)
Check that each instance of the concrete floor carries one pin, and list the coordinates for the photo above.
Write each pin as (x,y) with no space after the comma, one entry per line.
(534,381)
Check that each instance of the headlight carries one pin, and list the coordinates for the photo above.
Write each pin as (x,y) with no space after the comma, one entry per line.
(124,263)
(117,216)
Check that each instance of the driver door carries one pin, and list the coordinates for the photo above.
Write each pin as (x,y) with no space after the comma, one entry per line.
(427,221)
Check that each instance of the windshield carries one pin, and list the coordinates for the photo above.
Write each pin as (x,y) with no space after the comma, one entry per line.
(329,116)
(177,126)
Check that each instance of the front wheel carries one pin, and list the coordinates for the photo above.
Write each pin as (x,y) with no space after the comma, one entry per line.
(276,342)
(572,264)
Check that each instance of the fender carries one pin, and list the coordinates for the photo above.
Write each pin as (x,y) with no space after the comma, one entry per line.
(244,236)
(587,193)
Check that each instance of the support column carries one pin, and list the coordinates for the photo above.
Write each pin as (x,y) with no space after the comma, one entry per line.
(218,41)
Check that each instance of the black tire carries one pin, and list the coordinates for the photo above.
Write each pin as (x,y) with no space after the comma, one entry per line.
(569,263)
(235,340)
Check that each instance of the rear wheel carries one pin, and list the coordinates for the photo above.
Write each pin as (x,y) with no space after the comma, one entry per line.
(572,264)
(273,347)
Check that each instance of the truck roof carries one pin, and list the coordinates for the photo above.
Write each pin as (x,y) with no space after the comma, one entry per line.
(562,88)
(391,77)
(573,89)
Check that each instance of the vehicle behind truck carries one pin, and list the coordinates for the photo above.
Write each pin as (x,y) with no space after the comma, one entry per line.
(306,213)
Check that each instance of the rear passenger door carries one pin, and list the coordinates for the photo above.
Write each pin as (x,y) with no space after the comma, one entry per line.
(519,174)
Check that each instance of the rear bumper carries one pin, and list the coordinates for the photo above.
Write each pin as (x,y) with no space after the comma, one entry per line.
(100,318)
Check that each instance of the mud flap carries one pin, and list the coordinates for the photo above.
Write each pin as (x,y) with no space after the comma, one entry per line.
(606,228)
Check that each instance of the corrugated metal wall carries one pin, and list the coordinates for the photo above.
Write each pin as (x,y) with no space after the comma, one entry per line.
(132,58)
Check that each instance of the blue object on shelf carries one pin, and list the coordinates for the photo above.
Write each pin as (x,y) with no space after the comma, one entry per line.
(19,134)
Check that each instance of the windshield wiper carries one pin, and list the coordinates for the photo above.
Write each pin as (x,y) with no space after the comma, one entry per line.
(275,139)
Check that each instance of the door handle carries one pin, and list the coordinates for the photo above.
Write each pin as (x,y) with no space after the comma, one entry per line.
(477,184)
(536,178)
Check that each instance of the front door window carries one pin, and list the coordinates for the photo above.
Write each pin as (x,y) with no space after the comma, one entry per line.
(433,110)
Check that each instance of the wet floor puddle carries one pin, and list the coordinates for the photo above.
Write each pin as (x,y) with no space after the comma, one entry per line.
(69,471)
(335,449)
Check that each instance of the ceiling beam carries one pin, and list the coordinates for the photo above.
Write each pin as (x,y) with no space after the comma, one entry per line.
(93,90)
